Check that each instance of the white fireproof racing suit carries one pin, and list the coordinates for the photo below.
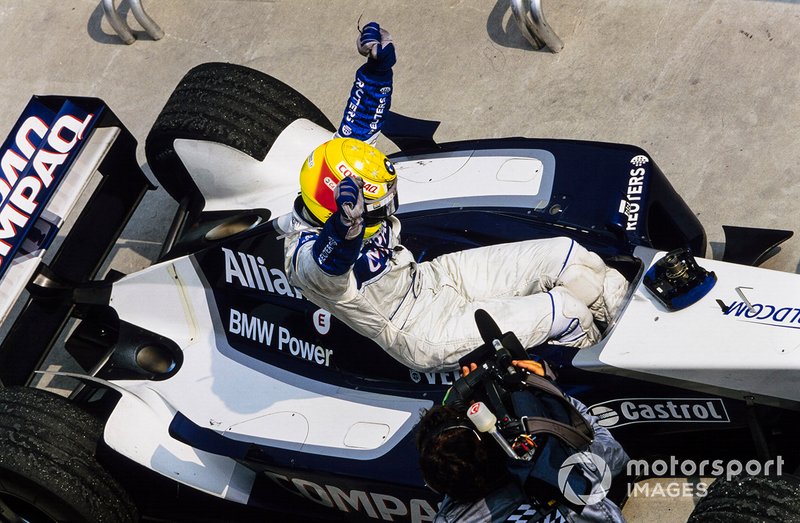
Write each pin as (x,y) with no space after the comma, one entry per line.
(422,314)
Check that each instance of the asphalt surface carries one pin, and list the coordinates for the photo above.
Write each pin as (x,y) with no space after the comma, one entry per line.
(708,87)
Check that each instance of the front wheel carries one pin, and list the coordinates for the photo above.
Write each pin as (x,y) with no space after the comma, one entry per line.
(48,470)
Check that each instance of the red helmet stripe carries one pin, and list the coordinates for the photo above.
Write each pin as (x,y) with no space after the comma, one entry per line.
(324,190)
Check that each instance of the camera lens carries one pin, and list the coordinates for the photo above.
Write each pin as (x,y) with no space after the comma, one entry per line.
(676,268)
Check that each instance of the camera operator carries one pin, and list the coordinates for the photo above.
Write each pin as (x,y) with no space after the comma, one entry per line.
(481,483)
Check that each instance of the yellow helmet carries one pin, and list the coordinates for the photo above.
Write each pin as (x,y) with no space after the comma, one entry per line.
(340,157)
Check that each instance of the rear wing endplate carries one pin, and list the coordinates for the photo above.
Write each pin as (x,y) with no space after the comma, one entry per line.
(47,162)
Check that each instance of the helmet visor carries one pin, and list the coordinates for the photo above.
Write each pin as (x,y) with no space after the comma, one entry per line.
(380,209)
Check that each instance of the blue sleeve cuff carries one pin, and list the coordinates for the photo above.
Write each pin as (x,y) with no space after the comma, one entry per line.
(332,252)
(370,99)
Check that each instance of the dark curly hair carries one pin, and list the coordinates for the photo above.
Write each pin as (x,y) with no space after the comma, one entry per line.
(456,461)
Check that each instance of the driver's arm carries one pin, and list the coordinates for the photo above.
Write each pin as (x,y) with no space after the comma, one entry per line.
(371,94)
(322,261)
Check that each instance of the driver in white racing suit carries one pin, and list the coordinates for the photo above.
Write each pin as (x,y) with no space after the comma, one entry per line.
(343,250)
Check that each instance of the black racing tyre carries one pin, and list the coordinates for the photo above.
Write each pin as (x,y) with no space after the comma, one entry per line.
(750,499)
(48,470)
(228,104)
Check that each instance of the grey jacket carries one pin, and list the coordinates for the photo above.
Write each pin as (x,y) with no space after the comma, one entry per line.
(510,503)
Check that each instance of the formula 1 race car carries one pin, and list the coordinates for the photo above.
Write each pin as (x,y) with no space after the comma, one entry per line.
(212,371)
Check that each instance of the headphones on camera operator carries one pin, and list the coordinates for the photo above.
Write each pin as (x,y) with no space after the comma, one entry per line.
(528,416)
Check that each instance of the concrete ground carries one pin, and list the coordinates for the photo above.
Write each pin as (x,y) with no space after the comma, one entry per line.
(708,87)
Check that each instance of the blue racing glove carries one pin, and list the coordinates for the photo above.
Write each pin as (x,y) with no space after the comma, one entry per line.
(376,44)
(338,245)
(349,195)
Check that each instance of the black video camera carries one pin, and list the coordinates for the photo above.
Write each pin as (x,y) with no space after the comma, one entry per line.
(495,373)
(529,416)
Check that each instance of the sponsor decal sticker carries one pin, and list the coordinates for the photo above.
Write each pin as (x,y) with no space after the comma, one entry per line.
(33,161)
(374,259)
(434,378)
(322,321)
(280,338)
(374,125)
(354,102)
(765,314)
(371,189)
(344,169)
(627,411)
(630,205)
(250,272)
(329,183)
(378,506)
